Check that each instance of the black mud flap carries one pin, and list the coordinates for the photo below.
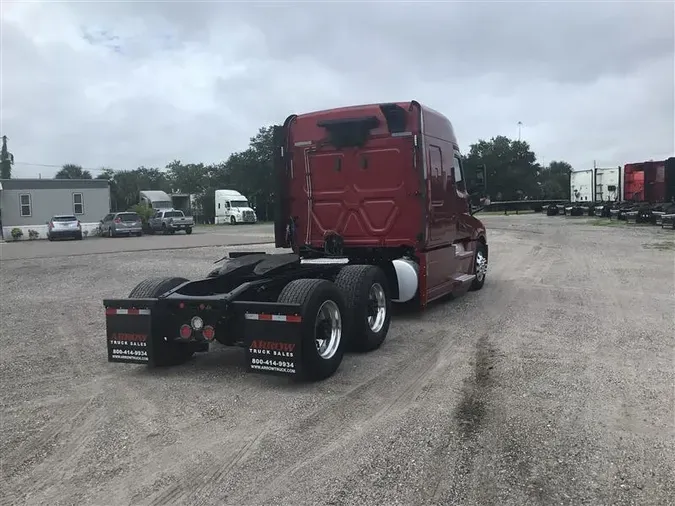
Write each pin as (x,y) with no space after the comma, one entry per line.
(129,330)
(273,337)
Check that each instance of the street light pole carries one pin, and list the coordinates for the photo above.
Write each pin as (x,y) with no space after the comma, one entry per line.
(520,124)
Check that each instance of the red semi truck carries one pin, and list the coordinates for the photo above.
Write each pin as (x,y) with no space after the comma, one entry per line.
(374,205)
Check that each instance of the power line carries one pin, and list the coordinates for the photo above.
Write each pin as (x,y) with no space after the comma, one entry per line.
(29,164)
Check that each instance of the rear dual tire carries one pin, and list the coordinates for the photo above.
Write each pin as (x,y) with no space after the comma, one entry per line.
(368,298)
(352,313)
(322,328)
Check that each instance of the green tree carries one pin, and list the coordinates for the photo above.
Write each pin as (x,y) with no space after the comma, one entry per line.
(187,178)
(72,171)
(109,175)
(216,178)
(126,185)
(151,179)
(555,180)
(106,173)
(512,171)
(252,172)
(6,160)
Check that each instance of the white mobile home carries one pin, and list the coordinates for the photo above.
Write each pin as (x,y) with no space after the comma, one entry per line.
(28,204)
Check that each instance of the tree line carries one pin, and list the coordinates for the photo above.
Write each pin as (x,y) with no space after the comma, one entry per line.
(513,173)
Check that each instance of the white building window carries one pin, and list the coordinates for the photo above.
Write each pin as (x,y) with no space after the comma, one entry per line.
(26,204)
(78,203)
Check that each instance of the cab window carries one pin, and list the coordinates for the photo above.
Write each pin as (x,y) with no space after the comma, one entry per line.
(458,174)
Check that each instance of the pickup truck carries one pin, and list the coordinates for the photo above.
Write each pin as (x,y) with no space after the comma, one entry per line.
(168,221)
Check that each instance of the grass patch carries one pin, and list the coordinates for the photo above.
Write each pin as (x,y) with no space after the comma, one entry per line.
(605,222)
(661,246)
(501,213)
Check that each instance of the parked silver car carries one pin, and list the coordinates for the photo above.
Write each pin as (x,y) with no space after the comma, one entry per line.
(116,224)
(64,225)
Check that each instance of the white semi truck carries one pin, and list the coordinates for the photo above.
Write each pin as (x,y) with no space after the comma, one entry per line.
(233,208)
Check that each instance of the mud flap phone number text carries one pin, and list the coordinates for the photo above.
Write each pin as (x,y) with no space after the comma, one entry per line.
(133,353)
(273,363)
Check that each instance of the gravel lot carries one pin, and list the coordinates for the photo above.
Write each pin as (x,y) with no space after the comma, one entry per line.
(552,385)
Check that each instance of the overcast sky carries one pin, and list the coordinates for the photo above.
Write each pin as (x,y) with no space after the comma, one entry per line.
(129,84)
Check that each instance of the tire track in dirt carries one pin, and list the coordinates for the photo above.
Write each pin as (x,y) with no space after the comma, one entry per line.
(13,461)
(76,419)
(418,376)
(367,403)
(58,469)
(182,493)
(401,402)
(473,408)
(73,426)
(477,403)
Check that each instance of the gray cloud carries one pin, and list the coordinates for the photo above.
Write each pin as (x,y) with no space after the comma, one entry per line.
(143,83)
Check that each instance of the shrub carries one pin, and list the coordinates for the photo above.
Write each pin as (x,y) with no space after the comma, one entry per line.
(145,212)
(17,233)
(33,234)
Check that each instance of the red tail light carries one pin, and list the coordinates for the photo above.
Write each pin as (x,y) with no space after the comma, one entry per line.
(185,331)
(209,333)
(78,224)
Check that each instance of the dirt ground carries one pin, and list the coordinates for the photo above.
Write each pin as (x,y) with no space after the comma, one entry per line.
(552,385)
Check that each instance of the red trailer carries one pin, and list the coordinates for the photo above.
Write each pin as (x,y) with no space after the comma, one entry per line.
(649,190)
(647,181)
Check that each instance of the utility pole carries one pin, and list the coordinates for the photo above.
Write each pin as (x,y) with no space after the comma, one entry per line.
(6,160)
(520,124)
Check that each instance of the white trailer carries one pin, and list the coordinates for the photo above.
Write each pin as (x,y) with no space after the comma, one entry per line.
(608,185)
(156,199)
(233,208)
(582,186)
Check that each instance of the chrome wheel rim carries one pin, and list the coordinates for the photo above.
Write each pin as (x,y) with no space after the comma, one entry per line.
(328,329)
(377,307)
(481,266)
